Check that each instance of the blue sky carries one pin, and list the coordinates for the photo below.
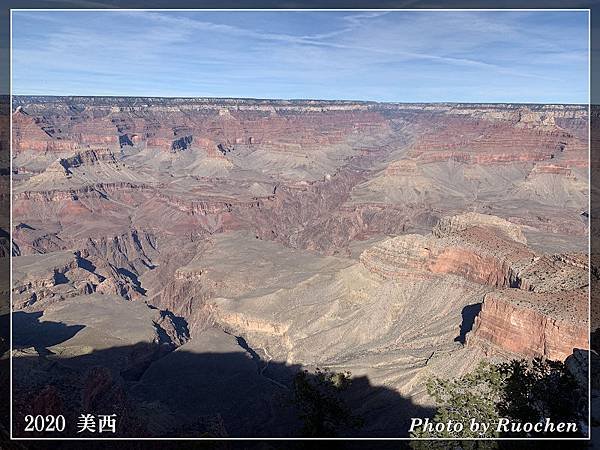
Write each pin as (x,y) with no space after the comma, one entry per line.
(406,56)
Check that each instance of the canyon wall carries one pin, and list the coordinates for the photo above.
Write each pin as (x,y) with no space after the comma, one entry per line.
(396,241)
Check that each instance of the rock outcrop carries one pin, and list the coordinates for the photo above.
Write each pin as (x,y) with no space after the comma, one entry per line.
(532,325)
(538,305)
(479,254)
(452,224)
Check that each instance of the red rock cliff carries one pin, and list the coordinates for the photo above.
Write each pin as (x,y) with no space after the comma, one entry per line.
(529,325)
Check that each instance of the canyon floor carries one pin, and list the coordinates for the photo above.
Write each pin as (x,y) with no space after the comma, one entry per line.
(178,261)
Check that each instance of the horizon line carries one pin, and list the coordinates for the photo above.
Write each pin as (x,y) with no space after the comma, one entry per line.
(299,99)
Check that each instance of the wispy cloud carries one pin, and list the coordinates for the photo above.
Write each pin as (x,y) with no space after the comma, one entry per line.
(402,56)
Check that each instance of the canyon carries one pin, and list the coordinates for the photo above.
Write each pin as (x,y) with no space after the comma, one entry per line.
(179,260)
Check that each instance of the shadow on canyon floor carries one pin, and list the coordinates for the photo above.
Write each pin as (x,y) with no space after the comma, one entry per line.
(179,388)
(158,392)
(28,331)
(468,313)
